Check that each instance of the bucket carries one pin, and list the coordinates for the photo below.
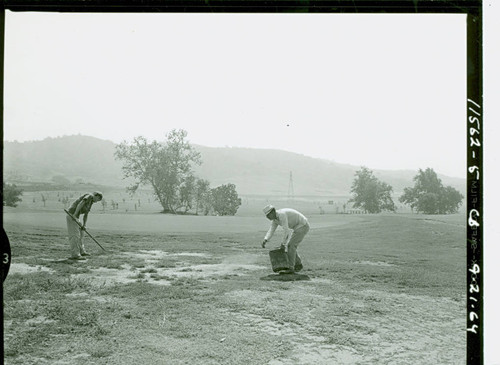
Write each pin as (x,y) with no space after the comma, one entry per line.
(279,259)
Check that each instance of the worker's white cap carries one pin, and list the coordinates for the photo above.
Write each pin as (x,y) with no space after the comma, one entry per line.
(268,209)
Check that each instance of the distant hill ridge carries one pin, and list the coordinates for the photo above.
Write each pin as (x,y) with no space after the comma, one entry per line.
(253,171)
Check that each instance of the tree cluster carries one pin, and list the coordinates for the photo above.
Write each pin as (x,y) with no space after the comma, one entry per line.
(371,194)
(11,195)
(429,196)
(168,168)
(224,199)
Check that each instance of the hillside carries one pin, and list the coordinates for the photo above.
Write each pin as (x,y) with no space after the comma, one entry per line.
(254,171)
(72,157)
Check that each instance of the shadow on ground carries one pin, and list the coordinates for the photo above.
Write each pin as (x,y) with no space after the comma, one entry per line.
(285,277)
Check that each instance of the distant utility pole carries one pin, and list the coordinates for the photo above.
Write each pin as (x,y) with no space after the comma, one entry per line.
(290,188)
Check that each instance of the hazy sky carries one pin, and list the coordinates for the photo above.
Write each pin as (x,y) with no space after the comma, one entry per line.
(384,91)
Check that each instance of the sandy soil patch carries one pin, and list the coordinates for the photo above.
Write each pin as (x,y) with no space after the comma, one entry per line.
(209,270)
(321,280)
(402,328)
(105,276)
(235,265)
(308,348)
(286,277)
(38,320)
(421,329)
(373,263)
(152,256)
(21,268)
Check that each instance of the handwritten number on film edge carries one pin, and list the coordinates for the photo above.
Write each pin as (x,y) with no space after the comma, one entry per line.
(473,216)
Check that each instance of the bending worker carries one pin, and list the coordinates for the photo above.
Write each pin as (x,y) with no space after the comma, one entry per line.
(80,206)
(295,226)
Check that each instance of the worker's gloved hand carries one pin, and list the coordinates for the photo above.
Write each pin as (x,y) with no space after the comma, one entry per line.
(264,243)
(284,247)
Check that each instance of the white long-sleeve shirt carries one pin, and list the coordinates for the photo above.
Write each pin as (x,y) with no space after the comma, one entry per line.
(290,220)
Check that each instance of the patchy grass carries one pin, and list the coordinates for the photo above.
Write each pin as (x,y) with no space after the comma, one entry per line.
(383,289)
(149,271)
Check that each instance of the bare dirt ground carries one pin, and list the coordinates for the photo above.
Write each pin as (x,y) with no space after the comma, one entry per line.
(379,290)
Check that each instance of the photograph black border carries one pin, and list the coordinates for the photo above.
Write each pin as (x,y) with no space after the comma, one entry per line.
(474,139)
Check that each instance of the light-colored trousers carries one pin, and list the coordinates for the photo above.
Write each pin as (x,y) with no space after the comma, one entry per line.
(297,237)
(75,236)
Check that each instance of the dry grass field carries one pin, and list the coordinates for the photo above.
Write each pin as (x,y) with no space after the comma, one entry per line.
(376,289)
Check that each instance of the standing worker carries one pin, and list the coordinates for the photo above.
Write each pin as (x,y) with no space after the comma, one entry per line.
(295,226)
(80,206)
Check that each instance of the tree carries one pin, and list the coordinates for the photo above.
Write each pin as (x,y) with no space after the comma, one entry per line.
(225,200)
(11,195)
(187,193)
(429,196)
(451,199)
(167,167)
(203,196)
(371,194)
